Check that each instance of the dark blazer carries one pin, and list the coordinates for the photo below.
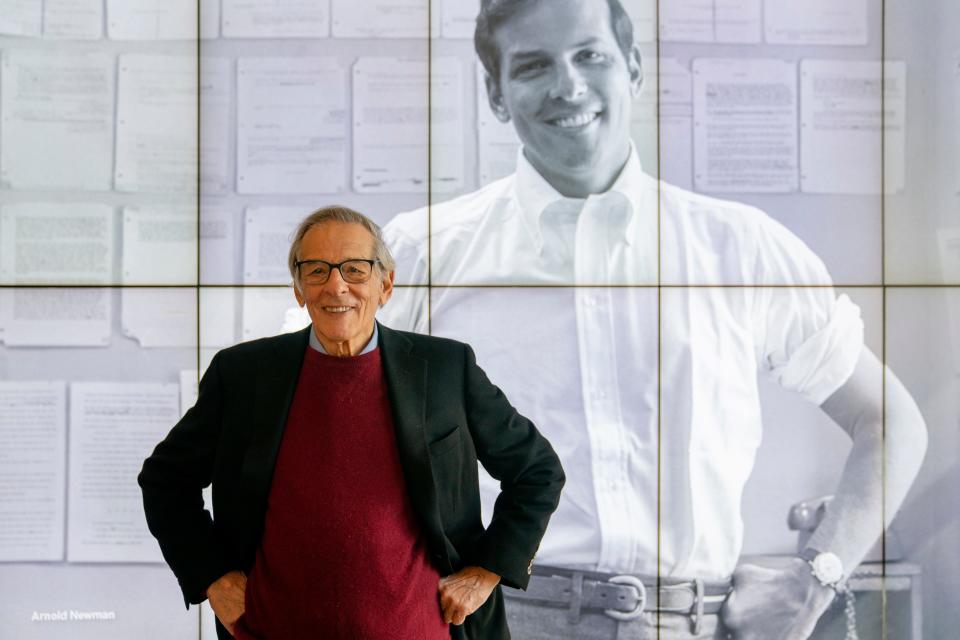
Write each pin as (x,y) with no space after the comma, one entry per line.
(447,415)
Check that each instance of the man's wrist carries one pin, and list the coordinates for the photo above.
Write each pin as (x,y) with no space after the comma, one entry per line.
(226,580)
(487,575)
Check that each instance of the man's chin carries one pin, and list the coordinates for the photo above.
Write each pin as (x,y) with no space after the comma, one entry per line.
(566,160)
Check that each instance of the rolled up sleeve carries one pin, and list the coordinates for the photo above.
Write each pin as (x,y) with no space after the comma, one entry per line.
(809,337)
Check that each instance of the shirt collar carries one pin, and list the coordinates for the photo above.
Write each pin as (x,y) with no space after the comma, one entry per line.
(317,346)
(534,194)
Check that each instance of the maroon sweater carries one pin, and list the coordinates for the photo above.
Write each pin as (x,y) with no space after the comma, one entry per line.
(342,554)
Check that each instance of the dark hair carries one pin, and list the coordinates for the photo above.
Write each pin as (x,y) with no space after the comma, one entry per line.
(337,213)
(494,13)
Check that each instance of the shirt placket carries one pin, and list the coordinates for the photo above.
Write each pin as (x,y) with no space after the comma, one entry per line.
(600,385)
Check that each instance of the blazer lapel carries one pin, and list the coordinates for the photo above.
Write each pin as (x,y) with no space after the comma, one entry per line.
(276,383)
(406,375)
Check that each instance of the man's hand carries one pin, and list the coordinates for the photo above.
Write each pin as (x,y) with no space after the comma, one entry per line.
(775,604)
(226,597)
(463,592)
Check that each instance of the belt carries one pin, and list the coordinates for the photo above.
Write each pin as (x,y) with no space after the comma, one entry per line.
(622,597)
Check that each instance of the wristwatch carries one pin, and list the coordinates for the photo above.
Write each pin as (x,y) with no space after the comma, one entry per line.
(825,566)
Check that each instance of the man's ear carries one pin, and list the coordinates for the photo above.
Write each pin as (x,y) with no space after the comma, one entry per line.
(495,96)
(635,68)
(298,295)
(386,287)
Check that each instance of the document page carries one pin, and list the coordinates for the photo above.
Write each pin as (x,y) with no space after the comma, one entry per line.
(21,17)
(291,125)
(32,470)
(818,22)
(113,428)
(276,19)
(497,142)
(394,134)
(266,241)
(737,21)
(663,133)
(745,125)
(50,317)
(852,126)
(384,19)
(686,20)
(57,125)
(161,19)
(73,19)
(159,245)
(157,120)
(55,244)
(156,317)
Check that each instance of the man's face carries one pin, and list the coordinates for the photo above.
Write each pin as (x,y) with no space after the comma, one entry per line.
(567,87)
(342,313)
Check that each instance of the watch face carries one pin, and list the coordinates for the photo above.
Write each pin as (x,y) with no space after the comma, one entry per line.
(827,568)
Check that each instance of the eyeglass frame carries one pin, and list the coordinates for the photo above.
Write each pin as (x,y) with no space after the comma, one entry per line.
(336,265)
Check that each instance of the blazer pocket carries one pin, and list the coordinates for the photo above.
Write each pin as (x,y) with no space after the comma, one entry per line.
(446,443)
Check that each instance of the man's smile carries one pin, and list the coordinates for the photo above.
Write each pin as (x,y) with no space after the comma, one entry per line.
(336,309)
(574,120)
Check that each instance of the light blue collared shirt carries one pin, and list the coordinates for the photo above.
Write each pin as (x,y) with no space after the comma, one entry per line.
(315,341)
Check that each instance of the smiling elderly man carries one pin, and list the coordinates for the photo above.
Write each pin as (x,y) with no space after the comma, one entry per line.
(343,460)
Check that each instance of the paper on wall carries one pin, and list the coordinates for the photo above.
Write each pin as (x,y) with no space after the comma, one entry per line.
(57,125)
(745,125)
(396,135)
(291,125)
(32,470)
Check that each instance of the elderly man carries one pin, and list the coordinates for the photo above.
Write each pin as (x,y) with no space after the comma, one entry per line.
(631,318)
(343,460)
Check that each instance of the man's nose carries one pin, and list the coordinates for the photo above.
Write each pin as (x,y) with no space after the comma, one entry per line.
(568,82)
(335,282)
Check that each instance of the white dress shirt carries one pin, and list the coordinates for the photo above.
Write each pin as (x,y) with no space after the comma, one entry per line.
(647,389)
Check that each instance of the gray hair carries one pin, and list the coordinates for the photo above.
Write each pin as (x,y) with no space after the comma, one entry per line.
(338,213)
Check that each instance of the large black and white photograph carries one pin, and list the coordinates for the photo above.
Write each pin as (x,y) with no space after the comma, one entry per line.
(531,319)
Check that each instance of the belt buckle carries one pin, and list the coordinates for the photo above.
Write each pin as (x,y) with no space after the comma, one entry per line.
(636,583)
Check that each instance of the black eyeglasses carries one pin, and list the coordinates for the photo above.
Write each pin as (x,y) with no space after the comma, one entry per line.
(354,271)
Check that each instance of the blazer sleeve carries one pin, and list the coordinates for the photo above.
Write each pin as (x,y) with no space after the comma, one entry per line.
(511,449)
(172,480)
